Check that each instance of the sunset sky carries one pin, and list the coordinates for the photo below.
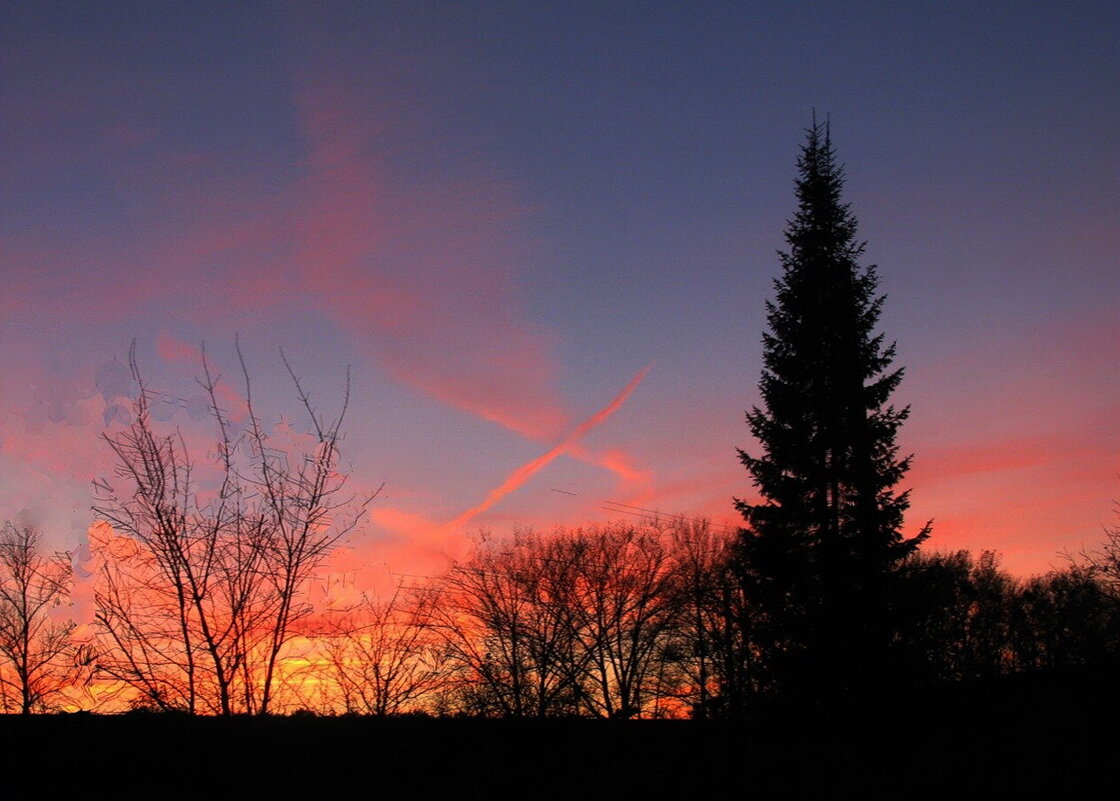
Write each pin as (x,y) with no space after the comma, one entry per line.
(542,236)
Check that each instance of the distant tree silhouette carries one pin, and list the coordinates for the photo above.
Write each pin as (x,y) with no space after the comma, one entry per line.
(818,548)
(960,618)
(506,633)
(587,621)
(1066,618)
(382,656)
(952,616)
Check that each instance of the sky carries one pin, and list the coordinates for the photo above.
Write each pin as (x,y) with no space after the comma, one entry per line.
(542,235)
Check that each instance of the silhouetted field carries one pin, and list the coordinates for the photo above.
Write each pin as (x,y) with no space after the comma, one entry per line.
(1033,735)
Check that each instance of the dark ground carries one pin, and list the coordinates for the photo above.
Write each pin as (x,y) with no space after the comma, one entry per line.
(1035,736)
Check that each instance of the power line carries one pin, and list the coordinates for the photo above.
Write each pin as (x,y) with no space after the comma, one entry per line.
(656,514)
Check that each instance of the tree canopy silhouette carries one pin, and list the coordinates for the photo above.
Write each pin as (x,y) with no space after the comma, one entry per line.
(818,547)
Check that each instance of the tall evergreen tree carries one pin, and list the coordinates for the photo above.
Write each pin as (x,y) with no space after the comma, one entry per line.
(817,551)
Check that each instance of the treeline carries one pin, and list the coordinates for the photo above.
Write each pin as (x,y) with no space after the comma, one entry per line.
(621,621)
(650,620)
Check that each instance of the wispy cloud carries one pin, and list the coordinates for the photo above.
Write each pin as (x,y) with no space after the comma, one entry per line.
(522,474)
(419,276)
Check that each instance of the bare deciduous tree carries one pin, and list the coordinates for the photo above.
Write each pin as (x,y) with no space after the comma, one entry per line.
(623,607)
(197,606)
(38,659)
(1104,561)
(708,646)
(575,622)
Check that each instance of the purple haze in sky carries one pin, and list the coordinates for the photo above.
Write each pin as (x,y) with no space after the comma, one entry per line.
(499,214)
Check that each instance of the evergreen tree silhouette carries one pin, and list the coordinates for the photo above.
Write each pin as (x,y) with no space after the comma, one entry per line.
(818,549)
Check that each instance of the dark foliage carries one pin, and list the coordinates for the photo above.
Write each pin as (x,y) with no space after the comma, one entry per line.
(960,619)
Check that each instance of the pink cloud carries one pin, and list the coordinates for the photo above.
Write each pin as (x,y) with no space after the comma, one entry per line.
(617,461)
(952,461)
(522,474)
(418,274)
(175,350)
(408,547)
